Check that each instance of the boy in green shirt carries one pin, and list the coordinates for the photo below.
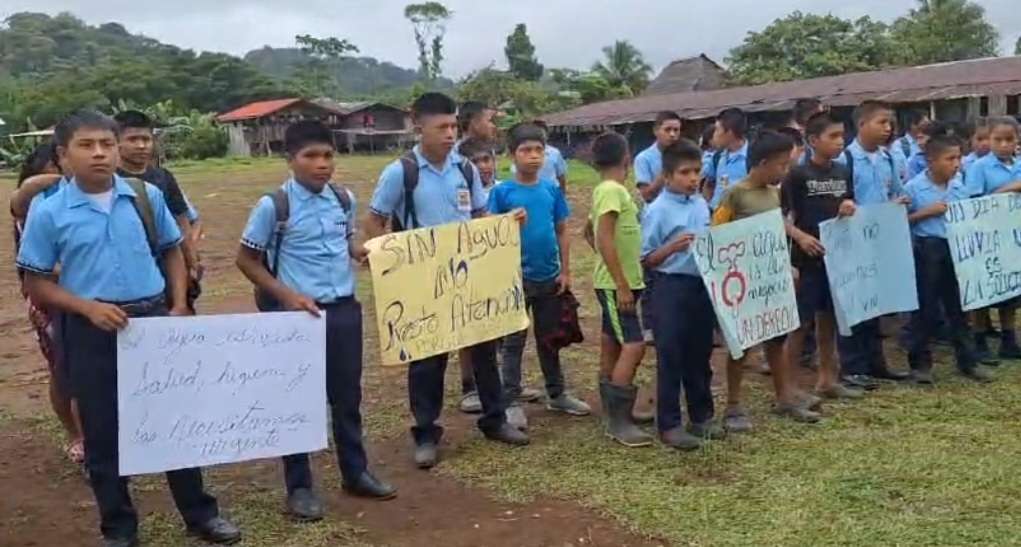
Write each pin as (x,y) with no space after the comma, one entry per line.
(618,283)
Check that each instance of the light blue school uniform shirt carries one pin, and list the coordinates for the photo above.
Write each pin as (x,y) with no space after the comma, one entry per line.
(441,197)
(989,173)
(969,160)
(668,216)
(546,208)
(102,255)
(923,192)
(876,178)
(554,166)
(731,169)
(906,146)
(648,165)
(192,213)
(917,164)
(314,256)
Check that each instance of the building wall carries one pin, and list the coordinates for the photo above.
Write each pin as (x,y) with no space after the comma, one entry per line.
(386,119)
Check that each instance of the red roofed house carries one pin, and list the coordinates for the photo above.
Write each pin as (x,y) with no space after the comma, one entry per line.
(258,128)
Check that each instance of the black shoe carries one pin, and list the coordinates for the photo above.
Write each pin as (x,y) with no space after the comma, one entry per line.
(861,381)
(982,353)
(887,374)
(1009,349)
(304,505)
(121,542)
(508,434)
(217,530)
(368,486)
(922,377)
(978,374)
(426,455)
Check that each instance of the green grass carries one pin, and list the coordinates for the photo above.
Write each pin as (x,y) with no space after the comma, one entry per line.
(905,467)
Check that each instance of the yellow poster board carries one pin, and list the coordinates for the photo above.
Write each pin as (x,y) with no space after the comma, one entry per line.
(447,287)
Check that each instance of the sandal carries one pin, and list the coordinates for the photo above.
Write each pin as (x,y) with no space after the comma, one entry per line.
(75,451)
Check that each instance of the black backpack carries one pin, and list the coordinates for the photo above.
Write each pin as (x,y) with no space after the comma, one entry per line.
(409,164)
(265,301)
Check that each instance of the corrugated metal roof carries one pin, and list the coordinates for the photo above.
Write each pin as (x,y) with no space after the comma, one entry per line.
(346,108)
(979,77)
(257,109)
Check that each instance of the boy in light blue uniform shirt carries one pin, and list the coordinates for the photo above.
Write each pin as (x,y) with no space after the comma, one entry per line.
(998,172)
(442,196)
(930,194)
(108,274)
(683,320)
(648,177)
(312,271)
(876,178)
(732,165)
(545,266)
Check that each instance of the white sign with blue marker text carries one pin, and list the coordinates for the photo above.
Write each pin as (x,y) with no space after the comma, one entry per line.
(746,265)
(869,263)
(197,391)
(985,243)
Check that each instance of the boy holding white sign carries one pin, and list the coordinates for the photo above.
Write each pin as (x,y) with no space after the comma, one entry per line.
(999,172)
(930,192)
(93,228)
(683,320)
(441,195)
(545,266)
(311,251)
(769,158)
(815,191)
(876,176)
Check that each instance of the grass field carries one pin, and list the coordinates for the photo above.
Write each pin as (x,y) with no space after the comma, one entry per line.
(906,466)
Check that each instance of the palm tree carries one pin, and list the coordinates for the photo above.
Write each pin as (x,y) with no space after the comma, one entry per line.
(624,66)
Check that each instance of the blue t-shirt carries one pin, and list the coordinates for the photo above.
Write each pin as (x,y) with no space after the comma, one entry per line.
(546,208)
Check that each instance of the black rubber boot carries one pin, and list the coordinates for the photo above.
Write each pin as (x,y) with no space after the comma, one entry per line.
(620,426)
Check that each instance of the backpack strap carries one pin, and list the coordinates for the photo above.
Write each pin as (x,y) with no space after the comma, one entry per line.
(282,208)
(343,197)
(409,163)
(905,146)
(144,209)
(716,165)
(468,172)
(849,161)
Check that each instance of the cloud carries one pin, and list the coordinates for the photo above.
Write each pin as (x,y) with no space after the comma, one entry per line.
(566,33)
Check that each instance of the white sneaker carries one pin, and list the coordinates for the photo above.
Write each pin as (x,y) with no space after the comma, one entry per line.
(569,405)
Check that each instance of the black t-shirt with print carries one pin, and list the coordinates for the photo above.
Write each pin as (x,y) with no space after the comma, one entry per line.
(812,194)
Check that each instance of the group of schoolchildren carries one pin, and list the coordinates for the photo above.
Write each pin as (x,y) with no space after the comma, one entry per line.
(105,236)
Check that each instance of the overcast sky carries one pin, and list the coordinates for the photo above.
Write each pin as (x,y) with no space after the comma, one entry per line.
(566,33)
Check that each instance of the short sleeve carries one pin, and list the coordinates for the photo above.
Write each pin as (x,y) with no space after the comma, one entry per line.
(975,180)
(389,190)
(608,200)
(352,213)
(561,210)
(651,238)
(912,196)
(173,195)
(38,252)
(561,165)
(495,204)
(260,225)
(478,192)
(167,232)
(643,171)
(193,213)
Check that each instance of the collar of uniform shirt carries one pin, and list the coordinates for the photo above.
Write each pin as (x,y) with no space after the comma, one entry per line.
(739,153)
(677,197)
(77,197)
(424,162)
(303,193)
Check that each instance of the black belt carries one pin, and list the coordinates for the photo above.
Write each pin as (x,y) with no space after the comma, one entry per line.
(337,302)
(142,306)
